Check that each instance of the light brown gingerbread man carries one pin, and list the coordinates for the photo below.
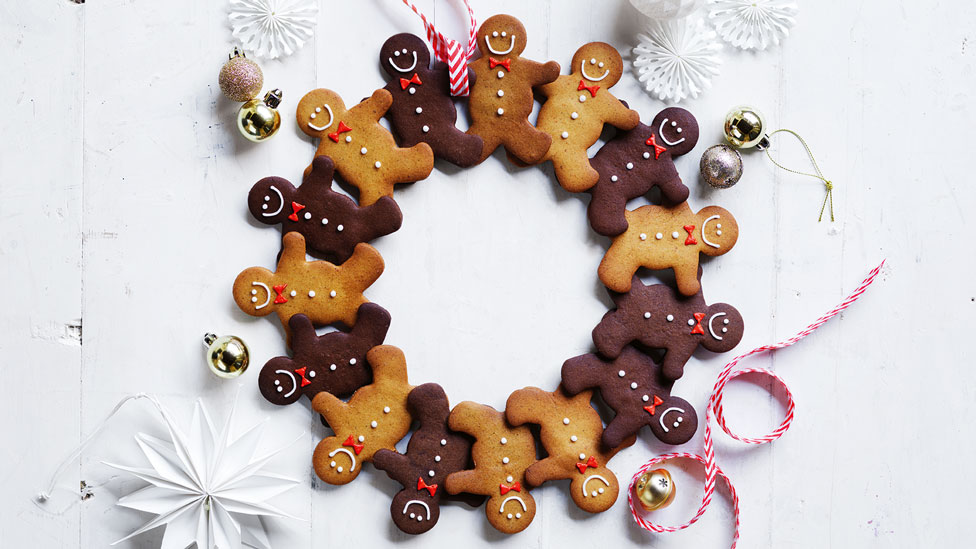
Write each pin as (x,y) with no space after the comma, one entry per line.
(578,106)
(501,97)
(324,292)
(668,238)
(570,432)
(376,417)
(501,455)
(364,152)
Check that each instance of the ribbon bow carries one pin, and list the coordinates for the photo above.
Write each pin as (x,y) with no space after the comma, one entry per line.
(421,485)
(301,371)
(413,80)
(653,407)
(698,327)
(592,89)
(517,487)
(456,54)
(278,290)
(652,142)
(351,442)
(690,241)
(343,128)
(295,208)
(507,63)
(589,463)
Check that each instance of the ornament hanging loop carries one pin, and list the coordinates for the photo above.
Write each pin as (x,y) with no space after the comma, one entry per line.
(764,145)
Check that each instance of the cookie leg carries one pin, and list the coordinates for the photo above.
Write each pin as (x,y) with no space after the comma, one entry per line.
(618,268)
(582,372)
(527,143)
(686,275)
(621,427)
(573,171)
(674,191)
(606,212)
(675,359)
(489,139)
(464,149)
(415,163)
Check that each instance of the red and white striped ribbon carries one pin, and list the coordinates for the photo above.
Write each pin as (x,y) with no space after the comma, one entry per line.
(715,411)
(452,52)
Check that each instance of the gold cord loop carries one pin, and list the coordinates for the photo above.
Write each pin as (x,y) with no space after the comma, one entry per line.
(828,185)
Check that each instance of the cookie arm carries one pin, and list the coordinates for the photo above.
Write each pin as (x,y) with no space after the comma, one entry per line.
(366,264)
(582,372)
(675,359)
(377,104)
(465,481)
(292,251)
(389,365)
(383,216)
(372,323)
(611,334)
(395,464)
(545,470)
(552,87)
(686,275)
(525,405)
(539,73)
(331,407)
(622,117)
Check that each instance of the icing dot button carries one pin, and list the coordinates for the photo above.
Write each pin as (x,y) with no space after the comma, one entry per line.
(437,458)
(420,110)
(430,473)
(565,135)
(500,111)
(332,367)
(573,438)
(325,221)
(308,215)
(352,361)
(504,440)
(582,456)
(443,442)
(621,373)
(574,115)
(501,93)
(659,236)
(361,438)
(348,139)
(614,178)
(426,128)
(643,236)
(582,98)
(670,318)
(509,478)
(674,234)
(332,293)
(501,74)
(340,227)
(505,460)
(647,314)
(645,398)
(412,90)
(633,385)
(646,155)
(378,164)
(293,293)
(311,293)
(373,424)
(691,322)
(362,150)
(630,165)
(565,421)
(386,409)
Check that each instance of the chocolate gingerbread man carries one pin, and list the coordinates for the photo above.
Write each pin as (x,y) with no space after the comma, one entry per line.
(364,152)
(633,162)
(434,452)
(632,385)
(501,97)
(375,418)
(571,432)
(331,222)
(659,237)
(423,110)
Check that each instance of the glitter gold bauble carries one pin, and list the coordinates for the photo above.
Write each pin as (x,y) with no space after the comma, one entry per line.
(240,78)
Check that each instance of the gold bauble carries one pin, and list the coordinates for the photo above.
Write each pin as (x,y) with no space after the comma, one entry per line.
(227,356)
(655,489)
(258,120)
(745,127)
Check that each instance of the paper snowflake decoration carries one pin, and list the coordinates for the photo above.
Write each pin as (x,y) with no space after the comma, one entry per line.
(273,28)
(204,488)
(752,24)
(677,59)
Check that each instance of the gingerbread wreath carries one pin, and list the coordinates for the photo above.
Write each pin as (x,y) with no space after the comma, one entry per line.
(473,449)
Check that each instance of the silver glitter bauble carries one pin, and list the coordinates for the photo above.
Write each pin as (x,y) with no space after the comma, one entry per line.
(721,166)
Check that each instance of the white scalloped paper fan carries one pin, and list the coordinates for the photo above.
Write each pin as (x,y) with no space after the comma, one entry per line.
(273,28)
(677,59)
(752,24)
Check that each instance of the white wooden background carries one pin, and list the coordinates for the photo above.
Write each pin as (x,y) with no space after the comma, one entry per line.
(123,223)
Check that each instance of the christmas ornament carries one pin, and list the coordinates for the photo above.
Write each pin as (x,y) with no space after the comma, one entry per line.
(227,356)
(752,24)
(721,166)
(257,119)
(677,59)
(666,9)
(273,28)
(205,488)
(655,489)
(240,78)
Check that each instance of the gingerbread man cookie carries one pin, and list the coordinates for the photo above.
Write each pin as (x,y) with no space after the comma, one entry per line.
(434,452)
(375,418)
(659,237)
(423,110)
(501,96)
(571,433)
(331,222)
(334,362)
(501,455)
(634,388)
(364,152)
(657,316)
(633,162)
(577,107)
(324,292)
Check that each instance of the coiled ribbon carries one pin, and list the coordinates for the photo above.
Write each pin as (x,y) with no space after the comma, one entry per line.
(452,52)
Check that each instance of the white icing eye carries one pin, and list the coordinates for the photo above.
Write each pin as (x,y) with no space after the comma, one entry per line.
(308,216)
(718,225)
(673,123)
(504,34)
(396,54)
(621,373)
(600,64)
(352,361)
(412,515)
(593,493)
(264,206)
(280,389)
(643,236)
(676,424)
(254,292)
(647,314)
(404,50)
(718,232)
(277,382)
(339,468)
(679,130)
(312,116)
(267,198)
(505,459)
(509,515)
(311,293)
(518,515)
(725,330)
(726,321)
(495,34)
(670,318)
(332,367)
(565,421)
(311,373)
(593,61)
(332,464)
(325,221)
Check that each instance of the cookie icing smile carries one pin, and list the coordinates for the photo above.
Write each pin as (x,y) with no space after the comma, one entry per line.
(294,382)
(511,44)
(665,413)
(416,502)
(595,492)
(660,132)
(712,330)
(267,292)
(281,203)
(408,69)
(328,109)
(590,78)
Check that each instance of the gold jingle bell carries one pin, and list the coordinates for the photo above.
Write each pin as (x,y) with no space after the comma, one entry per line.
(258,119)
(227,356)
(745,127)
(655,489)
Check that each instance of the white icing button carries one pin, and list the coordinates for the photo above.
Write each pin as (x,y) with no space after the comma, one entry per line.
(509,478)
(386,409)
(582,456)
(501,74)
(633,385)
(362,150)
(426,128)
(437,458)
(500,111)
(332,367)
(613,178)
(420,110)
(674,234)
(630,165)
(373,424)
(361,438)
(311,293)
(691,322)
(565,421)
(565,135)
(412,90)
(647,155)
(504,440)
(332,293)
(659,236)
(352,361)
(505,459)
(574,115)
(573,438)
(643,236)
(430,473)
(670,318)
(348,139)
(377,165)
(294,293)
(645,398)
(501,93)
(582,98)
(621,373)
(340,227)
(325,221)
(308,215)
(647,314)
(443,442)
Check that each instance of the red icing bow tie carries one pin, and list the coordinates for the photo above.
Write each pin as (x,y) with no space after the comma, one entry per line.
(652,142)
(301,371)
(280,297)
(690,241)
(351,443)
(517,487)
(413,80)
(421,485)
(592,89)
(343,128)
(653,407)
(492,63)
(589,463)
(295,208)
(698,327)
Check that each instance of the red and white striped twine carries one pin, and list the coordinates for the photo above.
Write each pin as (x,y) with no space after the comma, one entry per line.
(452,52)
(715,411)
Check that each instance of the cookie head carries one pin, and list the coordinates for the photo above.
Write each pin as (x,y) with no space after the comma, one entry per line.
(319,112)
(414,511)
(594,491)
(512,512)
(676,129)
(598,63)
(501,35)
(723,328)
(674,421)
(719,230)
(282,382)
(336,461)
(255,291)
(270,200)
(404,53)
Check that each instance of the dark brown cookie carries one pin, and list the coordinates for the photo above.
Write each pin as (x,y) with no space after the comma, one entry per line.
(423,110)
(331,222)
(434,451)
(632,385)
(633,162)
(334,362)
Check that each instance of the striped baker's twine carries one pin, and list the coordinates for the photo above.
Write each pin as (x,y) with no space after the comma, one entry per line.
(715,411)
(452,52)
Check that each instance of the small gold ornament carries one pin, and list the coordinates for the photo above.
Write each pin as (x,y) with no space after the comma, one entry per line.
(655,489)
(227,356)
(258,120)
(745,127)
